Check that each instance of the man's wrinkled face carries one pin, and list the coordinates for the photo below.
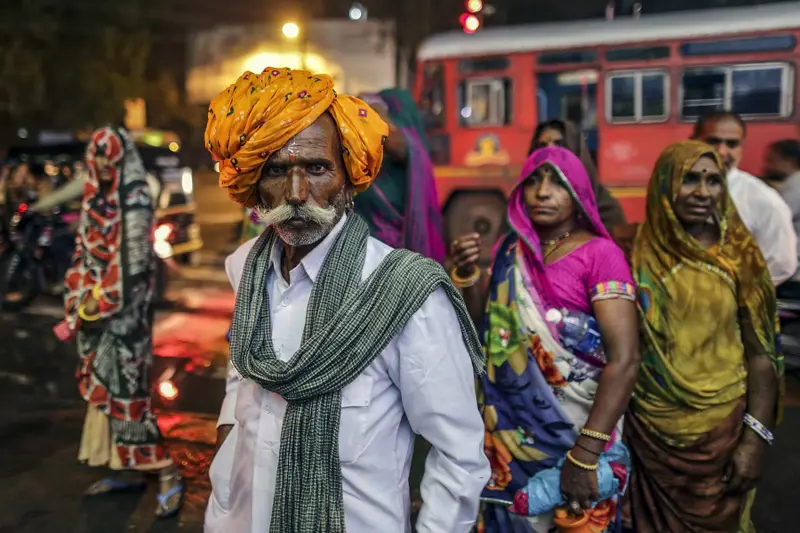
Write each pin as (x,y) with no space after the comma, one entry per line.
(726,136)
(303,187)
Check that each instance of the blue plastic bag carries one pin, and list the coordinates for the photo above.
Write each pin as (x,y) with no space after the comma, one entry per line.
(544,489)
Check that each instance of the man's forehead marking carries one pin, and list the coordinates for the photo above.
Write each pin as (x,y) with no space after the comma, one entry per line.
(292,149)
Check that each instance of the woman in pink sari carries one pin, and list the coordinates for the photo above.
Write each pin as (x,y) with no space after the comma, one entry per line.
(550,396)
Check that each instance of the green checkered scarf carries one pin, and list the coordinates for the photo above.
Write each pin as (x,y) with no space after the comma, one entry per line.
(348,324)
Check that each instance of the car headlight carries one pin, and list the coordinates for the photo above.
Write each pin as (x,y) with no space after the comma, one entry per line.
(163,249)
(187,181)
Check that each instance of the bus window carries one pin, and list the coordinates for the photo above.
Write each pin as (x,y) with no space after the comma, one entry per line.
(431,102)
(485,102)
(758,91)
(763,90)
(638,53)
(483,64)
(703,91)
(769,43)
(567,57)
(636,96)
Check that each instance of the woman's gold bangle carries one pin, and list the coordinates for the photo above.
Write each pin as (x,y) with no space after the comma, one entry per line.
(88,318)
(579,464)
(463,283)
(595,435)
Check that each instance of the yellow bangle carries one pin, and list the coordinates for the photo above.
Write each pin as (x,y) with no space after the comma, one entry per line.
(87,318)
(579,464)
(595,435)
(463,283)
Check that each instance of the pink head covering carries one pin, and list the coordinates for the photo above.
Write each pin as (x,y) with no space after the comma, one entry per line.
(577,181)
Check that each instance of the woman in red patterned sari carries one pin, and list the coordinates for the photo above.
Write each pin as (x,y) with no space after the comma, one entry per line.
(108,287)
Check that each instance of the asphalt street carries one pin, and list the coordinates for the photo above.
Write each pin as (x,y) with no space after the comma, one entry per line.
(42,484)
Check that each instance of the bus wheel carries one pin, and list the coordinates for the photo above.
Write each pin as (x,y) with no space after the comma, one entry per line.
(483,213)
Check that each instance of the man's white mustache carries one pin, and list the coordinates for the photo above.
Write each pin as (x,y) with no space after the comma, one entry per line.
(322,216)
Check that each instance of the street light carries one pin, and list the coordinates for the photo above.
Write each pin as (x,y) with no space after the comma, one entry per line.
(291,30)
(357,12)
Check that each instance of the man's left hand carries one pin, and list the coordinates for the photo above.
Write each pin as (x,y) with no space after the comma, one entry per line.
(744,470)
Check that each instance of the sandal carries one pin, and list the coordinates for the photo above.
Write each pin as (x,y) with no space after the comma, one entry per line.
(111,485)
(164,511)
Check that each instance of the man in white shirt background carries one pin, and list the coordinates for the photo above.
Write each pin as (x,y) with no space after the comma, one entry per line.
(782,172)
(762,209)
(342,348)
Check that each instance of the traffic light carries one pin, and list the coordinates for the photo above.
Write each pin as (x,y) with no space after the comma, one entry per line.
(474,6)
(471,19)
(470,22)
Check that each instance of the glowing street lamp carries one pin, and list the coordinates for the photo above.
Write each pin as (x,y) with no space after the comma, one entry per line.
(291,30)
(357,12)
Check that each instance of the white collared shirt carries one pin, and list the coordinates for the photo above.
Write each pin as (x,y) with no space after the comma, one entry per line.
(769,219)
(421,383)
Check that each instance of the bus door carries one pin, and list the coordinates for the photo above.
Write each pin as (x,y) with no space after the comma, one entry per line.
(571,96)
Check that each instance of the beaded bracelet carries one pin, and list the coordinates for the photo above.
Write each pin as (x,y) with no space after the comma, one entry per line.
(595,435)
(760,429)
(579,464)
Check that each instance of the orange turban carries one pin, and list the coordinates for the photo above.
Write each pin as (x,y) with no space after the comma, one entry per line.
(257,115)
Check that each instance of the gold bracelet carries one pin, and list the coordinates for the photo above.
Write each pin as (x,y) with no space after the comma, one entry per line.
(463,283)
(590,468)
(88,318)
(595,435)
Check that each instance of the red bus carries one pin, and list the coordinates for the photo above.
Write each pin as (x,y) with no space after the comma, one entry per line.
(634,85)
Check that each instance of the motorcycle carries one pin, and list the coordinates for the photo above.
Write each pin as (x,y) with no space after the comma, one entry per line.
(31,261)
(789,315)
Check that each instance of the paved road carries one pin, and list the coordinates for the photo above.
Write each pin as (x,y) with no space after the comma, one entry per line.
(40,421)
(41,418)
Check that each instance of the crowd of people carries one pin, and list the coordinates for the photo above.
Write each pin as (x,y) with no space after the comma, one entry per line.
(578,382)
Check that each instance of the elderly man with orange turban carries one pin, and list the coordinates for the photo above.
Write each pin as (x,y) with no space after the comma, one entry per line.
(341,348)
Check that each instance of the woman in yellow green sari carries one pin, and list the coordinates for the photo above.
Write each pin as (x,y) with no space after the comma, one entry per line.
(706,397)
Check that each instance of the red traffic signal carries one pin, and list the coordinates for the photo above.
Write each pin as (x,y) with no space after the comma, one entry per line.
(470,22)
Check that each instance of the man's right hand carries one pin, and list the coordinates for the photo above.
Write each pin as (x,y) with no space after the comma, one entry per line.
(222,434)
(466,250)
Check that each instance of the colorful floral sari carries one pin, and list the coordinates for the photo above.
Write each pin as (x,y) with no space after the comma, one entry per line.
(537,395)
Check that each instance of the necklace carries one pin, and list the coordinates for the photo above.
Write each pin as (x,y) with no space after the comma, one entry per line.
(551,245)
(557,240)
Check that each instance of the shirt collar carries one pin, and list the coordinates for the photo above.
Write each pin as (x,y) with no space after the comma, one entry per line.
(312,262)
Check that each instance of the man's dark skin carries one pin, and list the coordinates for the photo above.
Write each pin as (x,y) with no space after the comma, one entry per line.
(308,169)
(694,205)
